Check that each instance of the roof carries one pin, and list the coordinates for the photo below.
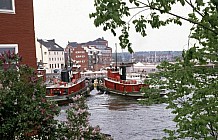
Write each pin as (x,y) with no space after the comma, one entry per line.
(73,44)
(50,45)
(99,41)
(139,64)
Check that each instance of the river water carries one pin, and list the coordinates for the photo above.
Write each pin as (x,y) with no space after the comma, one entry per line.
(124,119)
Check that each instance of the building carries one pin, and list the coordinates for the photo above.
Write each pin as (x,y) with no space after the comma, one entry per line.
(17,29)
(50,55)
(79,56)
(92,55)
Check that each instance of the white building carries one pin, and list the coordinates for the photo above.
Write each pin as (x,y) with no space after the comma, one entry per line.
(139,67)
(49,55)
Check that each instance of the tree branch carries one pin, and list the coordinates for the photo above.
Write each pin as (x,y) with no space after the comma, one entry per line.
(138,7)
(136,14)
(190,3)
(186,19)
(202,15)
(211,127)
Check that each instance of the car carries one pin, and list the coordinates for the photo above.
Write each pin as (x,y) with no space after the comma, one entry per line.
(57,70)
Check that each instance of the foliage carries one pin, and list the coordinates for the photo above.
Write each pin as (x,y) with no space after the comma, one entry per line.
(192,80)
(77,127)
(152,96)
(24,111)
(26,114)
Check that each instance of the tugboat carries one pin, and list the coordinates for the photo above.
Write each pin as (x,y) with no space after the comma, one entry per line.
(71,84)
(117,83)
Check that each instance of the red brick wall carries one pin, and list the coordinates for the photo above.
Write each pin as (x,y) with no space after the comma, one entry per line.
(19,29)
(86,58)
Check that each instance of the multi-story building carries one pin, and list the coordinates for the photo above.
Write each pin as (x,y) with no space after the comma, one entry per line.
(50,55)
(79,56)
(17,29)
(93,55)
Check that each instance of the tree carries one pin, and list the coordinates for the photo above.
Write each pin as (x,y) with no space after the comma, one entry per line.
(77,127)
(192,80)
(25,113)
(24,110)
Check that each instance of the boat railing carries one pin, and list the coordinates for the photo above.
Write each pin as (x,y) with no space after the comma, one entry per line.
(126,81)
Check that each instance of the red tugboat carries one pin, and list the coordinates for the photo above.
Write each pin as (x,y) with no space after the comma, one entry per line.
(71,83)
(117,83)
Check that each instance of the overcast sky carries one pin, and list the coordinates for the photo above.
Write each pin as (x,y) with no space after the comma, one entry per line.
(68,20)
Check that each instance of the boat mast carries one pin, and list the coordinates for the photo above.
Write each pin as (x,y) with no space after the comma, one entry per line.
(155,56)
(69,57)
(41,53)
(116,57)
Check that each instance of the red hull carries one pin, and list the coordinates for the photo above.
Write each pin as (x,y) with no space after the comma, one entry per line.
(64,88)
(113,82)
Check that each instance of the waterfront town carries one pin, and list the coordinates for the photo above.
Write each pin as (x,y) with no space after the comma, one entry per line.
(88,90)
(92,55)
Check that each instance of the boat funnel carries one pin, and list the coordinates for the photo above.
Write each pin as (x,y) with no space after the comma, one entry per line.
(123,72)
(65,76)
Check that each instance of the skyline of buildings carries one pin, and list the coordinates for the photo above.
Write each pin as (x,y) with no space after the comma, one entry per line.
(92,55)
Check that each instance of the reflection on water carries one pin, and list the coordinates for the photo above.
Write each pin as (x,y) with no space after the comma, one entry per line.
(123,118)
(63,115)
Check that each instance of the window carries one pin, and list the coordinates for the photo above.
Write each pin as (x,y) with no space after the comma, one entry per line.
(7,6)
(7,47)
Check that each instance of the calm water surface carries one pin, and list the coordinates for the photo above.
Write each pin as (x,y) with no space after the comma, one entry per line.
(123,118)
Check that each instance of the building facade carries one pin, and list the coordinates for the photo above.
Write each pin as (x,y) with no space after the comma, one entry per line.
(17,29)
(50,55)
(92,55)
(78,55)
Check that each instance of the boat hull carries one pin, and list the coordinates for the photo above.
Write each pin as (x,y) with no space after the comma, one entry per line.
(66,99)
(62,94)
(103,89)
(124,88)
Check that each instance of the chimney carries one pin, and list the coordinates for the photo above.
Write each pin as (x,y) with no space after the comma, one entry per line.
(52,40)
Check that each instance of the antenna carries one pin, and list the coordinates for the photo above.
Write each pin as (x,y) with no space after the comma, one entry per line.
(132,58)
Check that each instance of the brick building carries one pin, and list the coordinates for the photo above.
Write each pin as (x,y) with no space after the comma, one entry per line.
(92,55)
(79,56)
(17,29)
